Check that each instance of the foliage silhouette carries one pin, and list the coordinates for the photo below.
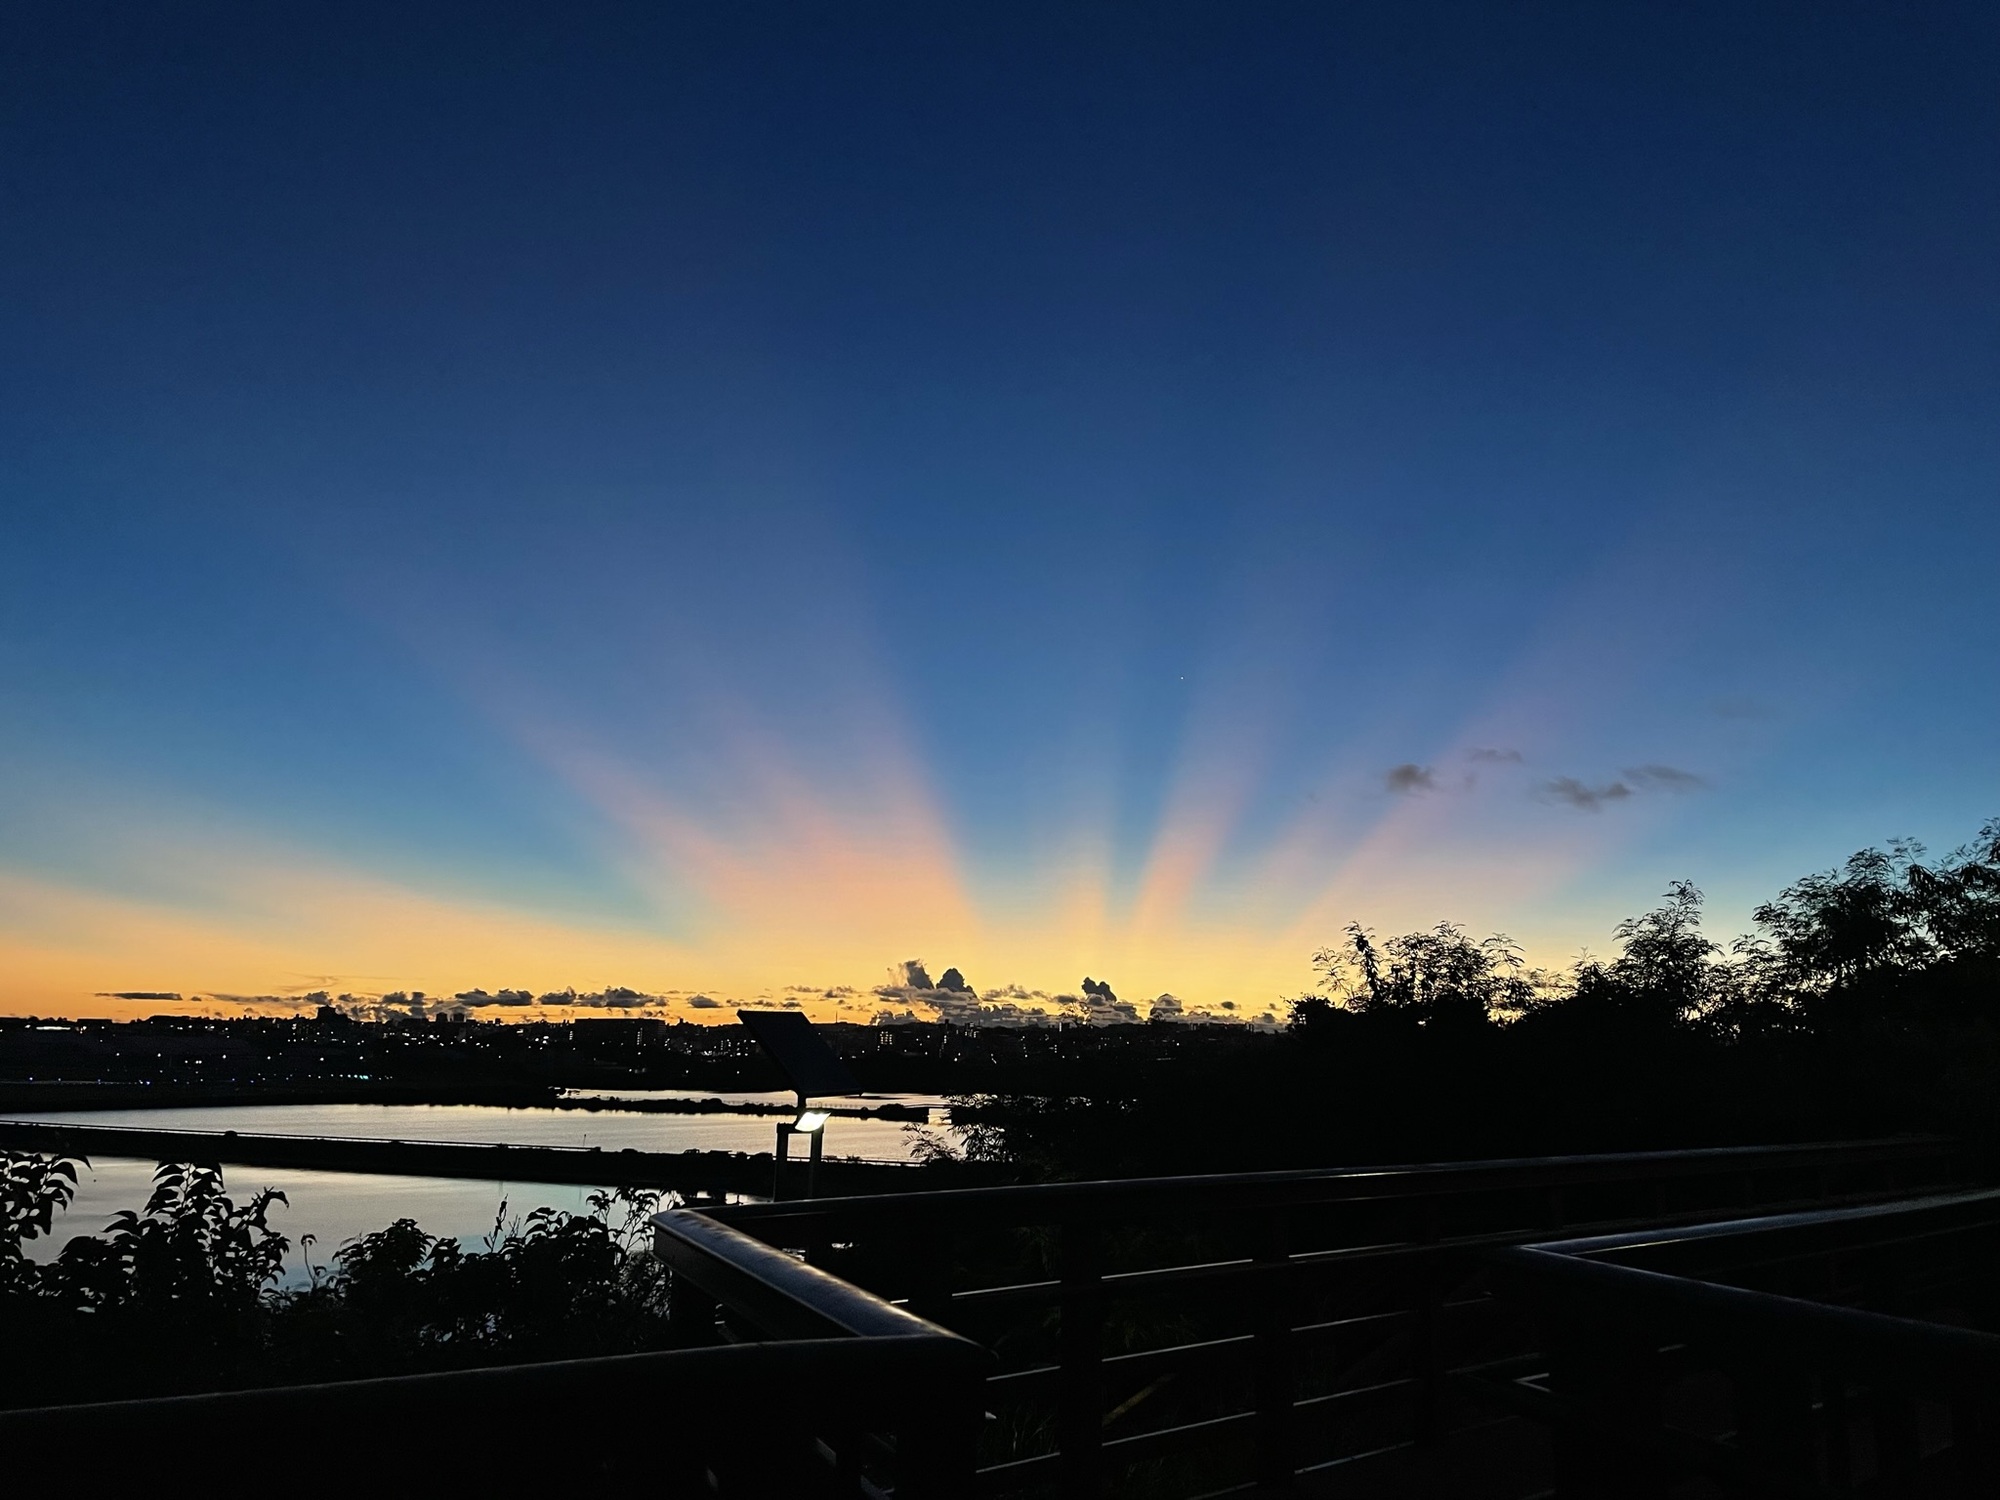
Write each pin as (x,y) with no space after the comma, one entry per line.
(184,1295)
(1866,1002)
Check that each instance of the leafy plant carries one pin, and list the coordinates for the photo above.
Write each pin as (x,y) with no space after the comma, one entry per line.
(183,1295)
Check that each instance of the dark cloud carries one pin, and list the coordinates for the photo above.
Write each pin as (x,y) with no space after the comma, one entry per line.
(913,975)
(1666,778)
(703,1002)
(1586,798)
(1494,757)
(611,997)
(1013,992)
(1100,1007)
(1166,1008)
(138,994)
(1632,781)
(478,999)
(1408,779)
(951,979)
(962,1007)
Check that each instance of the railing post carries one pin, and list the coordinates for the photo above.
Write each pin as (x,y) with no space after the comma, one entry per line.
(1975,1435)
(1273,1352)
(1774,1423)
(690,1314)
(1898,1455)
(1429,1333)
(1080,1413)
(931,1246)
(1606,1373)
(937,1448)
(780,1153)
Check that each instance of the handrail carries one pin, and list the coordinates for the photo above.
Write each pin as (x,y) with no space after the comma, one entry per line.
(1234,1192)
(1802,1375)
(695,1378)
(405,1433)
(1807,1225)
(1925,1355)
(784,1297)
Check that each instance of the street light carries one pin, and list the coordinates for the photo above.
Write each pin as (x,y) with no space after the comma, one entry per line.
(811,1068)
(811,1124)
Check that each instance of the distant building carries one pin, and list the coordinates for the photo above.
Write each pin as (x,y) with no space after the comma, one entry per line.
(609,1034)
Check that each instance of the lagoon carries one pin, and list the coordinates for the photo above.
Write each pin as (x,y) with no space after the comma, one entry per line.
(333,1208)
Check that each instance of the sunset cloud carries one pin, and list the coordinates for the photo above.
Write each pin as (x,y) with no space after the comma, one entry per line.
(1665,778)
(1585,798)
(1408,779)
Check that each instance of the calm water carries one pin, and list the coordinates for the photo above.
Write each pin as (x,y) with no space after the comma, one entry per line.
(334,1207)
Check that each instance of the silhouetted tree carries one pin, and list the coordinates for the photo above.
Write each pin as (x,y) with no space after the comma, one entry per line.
(1842,925)
(1439,977)
(1667,972)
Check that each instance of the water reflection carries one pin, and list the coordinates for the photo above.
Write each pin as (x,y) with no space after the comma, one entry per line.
(334,1207)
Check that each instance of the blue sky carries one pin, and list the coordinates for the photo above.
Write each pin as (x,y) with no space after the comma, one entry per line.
(723,500)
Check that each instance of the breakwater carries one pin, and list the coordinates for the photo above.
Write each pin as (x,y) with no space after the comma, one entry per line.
(678,1171)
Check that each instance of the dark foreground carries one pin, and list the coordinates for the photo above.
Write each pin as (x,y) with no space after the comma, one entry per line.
(1746,1321)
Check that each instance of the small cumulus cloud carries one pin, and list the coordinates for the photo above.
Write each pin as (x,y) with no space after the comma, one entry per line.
(1634,780)
(611,997)
(479,999)
(952,999)
(1101,1007)
(1008,992)
(1584,797)
(1409,779)
(703,1002)
(138,994)
(1166,1008)
(1666,778)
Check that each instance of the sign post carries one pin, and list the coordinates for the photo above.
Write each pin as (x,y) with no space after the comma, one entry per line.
(811,1069)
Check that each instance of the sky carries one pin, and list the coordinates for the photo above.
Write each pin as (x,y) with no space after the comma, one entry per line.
(696,505)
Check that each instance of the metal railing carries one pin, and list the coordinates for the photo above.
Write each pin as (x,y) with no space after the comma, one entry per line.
(1836,1352)
(1201,1333)
(744,1421)
(1188,1334)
